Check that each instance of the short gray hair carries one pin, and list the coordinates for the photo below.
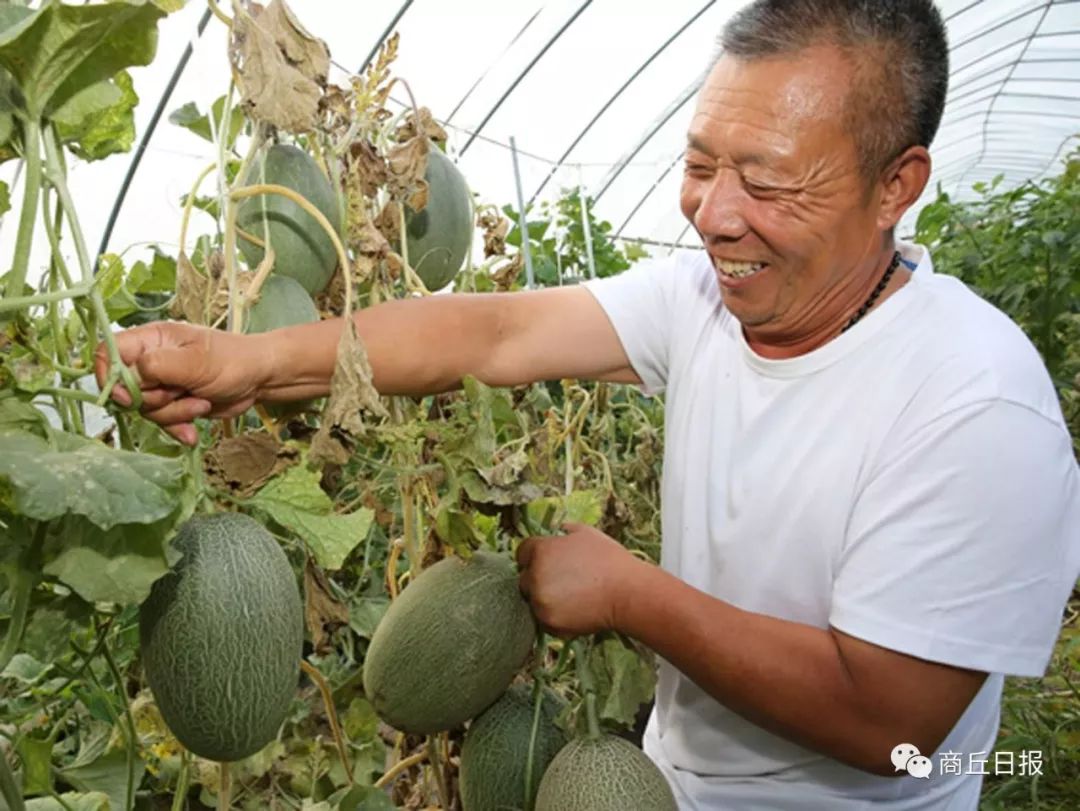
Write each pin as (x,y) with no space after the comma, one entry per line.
(898,47)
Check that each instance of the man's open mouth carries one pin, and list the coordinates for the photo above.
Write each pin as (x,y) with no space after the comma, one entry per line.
(738,270)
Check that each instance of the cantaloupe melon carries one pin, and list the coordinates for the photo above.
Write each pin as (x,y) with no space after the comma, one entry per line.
(438,236)
(604,774)
(302,249)
(449,645)
(282,302)
(495,753)
(221,637)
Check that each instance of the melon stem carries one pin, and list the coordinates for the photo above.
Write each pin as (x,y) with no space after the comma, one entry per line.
(223,790)
(440,774)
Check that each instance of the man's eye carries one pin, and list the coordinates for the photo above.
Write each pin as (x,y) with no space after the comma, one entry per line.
(759,188)
(697,169)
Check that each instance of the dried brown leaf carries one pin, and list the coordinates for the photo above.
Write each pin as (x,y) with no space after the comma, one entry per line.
(506,274)
(280,68)
(242,464)
(389,221)
(367,170)
(495,227)
(407,163)
(191,289)
(323,613)
(351,393)
(429,127)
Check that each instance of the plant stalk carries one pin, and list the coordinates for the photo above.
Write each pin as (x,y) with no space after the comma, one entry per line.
(223,789)
(9,789)
(22,587)
(31,191)
(331,715)
(19,302)
(132,734)
(440,771)
(182,782)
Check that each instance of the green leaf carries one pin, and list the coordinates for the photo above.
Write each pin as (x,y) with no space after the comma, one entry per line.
(624,676)
(106,775)
(100,120)
(83,477)
(5,194)
(365,613)
(364,798)
(18,415)
(157,277)
(58,50)
(36,758)
(25,668)
(190,118)
(117,565)
(71,801)
(296,501)
(581,506)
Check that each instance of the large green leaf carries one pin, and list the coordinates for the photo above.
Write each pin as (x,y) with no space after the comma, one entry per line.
(625,678)
(117,565)
(296,501)
(106,775)
(36,756)
(43,480)
(100,120)
(58,50)
(5,194)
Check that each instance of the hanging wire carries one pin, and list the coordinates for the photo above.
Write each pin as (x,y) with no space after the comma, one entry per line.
(648,194)
(494,62)
(633,77)
(386,32)
(522,75)
(680,101)
(1001,94)
(141,149)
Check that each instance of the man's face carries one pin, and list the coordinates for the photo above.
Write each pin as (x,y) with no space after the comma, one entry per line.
(772,185)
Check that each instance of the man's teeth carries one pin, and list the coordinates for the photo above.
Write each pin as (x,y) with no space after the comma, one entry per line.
(738,269)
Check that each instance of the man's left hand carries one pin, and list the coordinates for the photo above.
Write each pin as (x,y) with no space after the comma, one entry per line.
(576,581)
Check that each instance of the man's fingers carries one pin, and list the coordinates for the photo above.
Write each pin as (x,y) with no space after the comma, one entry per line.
(525,551)
(153,399)
(183,410)
(185,432)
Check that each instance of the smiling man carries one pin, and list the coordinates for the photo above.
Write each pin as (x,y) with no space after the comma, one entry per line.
(870,499)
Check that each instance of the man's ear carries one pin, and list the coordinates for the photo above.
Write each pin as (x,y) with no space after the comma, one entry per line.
(901,184)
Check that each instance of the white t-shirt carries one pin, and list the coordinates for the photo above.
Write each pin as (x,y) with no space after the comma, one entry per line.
(910,483)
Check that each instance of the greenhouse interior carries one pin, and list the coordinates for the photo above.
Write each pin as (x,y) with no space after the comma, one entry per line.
(575,405)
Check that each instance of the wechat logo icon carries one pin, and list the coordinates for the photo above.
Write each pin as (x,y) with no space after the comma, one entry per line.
(907,758)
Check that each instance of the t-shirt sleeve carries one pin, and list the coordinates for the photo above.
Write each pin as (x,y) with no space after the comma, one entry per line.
(640,303)
(965,543)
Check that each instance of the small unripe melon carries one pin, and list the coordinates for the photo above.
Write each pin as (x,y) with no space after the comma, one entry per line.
(449,645)
(221,637)
(604,774)
(495,753)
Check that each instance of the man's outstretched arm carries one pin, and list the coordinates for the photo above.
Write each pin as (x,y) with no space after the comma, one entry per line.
(415,347)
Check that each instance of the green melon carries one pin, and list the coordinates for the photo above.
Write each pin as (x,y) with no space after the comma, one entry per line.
(282,302)
(302,249)
(439,235)
(221,637)
(605,774)
(449,645)
(495,752)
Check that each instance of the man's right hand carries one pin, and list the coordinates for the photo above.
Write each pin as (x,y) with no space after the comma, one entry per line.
(187,371)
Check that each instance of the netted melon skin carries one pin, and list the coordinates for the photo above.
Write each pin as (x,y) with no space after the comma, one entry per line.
(606,774)
(449,645)
(438,236)
(221,637)
(495,751)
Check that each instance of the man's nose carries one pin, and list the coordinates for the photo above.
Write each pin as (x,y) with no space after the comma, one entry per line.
(721,212)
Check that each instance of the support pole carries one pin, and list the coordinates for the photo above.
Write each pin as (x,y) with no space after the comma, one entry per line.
(523,225)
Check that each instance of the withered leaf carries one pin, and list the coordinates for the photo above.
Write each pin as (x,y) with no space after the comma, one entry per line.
(191,289)
(495,228)
(242,464)
(280,67)
(389,221)
(407,163)
(323,613)
(506,274)
(429,127)
(351,391)
(367,169)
